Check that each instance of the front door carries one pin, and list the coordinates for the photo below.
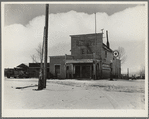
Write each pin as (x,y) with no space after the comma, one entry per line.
(57,70)
(86,72)
(77,71)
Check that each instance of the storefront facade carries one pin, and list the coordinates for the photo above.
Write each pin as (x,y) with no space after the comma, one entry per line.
(90,59)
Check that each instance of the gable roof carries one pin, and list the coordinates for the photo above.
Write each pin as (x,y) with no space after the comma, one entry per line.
(22,66)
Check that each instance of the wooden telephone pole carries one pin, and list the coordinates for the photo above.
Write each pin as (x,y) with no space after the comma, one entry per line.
(43,69)
(46,45)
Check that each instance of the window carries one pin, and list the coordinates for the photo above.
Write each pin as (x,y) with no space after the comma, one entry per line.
(80,43)
(57,69)
(82,51)
(89,51)
(67,68)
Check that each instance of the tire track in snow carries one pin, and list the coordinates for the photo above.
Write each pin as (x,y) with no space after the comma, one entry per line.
(111,100)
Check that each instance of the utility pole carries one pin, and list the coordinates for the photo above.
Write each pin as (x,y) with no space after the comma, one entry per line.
(46,45)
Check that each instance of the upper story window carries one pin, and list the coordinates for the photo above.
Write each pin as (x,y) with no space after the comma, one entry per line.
(80,43)
(82,51)
(86,42)
(89,51)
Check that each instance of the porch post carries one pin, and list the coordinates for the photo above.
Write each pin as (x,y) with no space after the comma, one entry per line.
(91,72)
(74,68)
(80,71)
(71,70)
(65,66)
(100,69)
(94,70)
(94,66)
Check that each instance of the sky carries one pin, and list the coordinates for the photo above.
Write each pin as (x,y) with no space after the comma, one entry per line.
(24,25)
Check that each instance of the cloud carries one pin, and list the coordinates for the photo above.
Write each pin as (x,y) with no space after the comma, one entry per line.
(126,29)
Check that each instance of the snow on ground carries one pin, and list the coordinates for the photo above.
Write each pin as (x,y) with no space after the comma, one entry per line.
(74,94)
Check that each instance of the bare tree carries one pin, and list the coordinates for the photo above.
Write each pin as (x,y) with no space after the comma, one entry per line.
(34,58)
(39,52)
(38,56)
(122,55)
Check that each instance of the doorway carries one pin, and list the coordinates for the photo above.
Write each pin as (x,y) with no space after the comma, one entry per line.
(57,70)
(77,71)
(86,72)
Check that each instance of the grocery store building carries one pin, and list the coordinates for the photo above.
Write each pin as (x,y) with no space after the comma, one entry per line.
(90,59)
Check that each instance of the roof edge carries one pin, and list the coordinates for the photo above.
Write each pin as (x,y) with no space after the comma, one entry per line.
(86,34)
(58,56)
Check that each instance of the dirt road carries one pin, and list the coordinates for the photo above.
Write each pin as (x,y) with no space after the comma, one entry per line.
(74,94)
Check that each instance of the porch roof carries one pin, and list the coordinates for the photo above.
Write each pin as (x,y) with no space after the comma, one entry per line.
(79,61)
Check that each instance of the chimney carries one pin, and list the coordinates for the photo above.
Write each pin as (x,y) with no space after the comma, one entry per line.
(108,45)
